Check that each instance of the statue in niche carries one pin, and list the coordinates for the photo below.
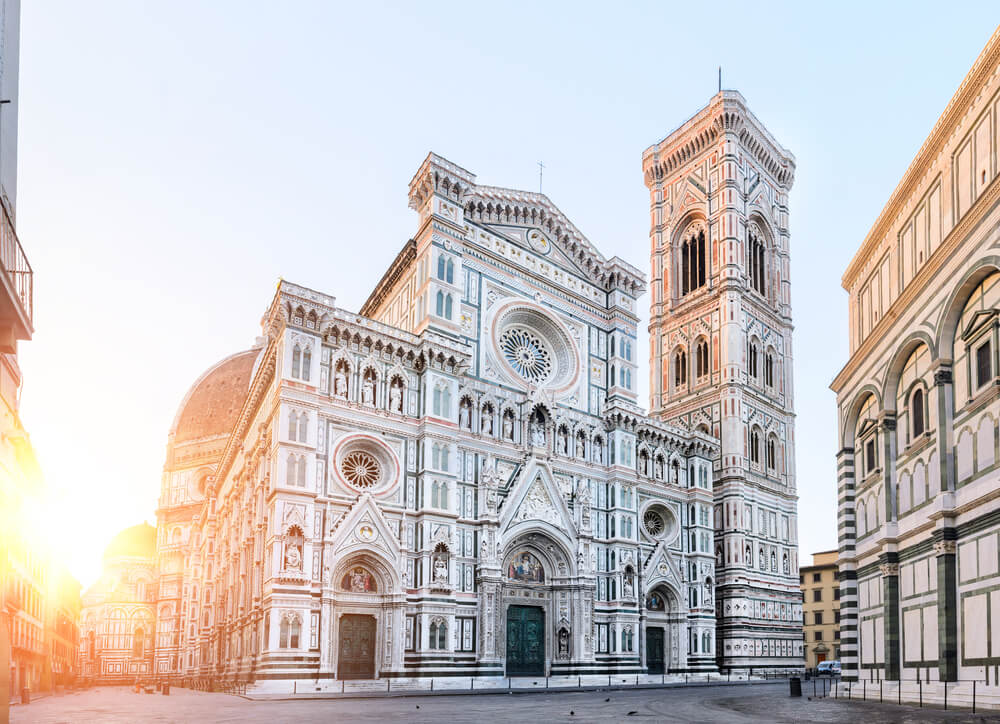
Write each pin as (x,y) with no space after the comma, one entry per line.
(396,396)
(486,421)
(579,446)
(537,433)
(368,391)
(440,570)
(508,426)
(340,381)
(563,643)
(293,558)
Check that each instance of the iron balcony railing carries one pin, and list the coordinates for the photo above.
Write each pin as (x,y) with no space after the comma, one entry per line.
(15,262)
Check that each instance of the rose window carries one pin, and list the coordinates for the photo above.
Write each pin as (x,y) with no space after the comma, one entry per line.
(527,354)
(653,522)
(360,469)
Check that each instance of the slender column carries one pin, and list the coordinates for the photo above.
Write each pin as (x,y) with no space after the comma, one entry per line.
(947,587)
(890,614)
(847,565)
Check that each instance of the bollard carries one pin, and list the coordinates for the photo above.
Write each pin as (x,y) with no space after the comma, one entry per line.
(794,686)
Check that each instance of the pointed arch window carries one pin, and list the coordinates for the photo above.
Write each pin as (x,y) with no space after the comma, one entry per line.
(680,368)
(693,261)
(752,356)
(701,359)
(917,412)
(756,263)
(306,363)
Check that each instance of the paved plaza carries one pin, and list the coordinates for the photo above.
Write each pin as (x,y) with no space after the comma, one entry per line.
(708,704)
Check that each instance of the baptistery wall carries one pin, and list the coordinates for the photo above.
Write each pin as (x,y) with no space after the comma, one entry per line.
(456,480)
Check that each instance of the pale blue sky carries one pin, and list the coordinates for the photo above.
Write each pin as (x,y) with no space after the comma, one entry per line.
(177,158)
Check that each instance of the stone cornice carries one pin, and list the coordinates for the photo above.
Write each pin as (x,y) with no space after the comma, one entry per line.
(726,112)
(932,147)
(958,235)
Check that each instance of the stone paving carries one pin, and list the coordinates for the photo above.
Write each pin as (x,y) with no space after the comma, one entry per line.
(721,704)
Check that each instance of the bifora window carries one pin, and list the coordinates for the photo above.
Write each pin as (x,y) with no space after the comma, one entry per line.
(527,354)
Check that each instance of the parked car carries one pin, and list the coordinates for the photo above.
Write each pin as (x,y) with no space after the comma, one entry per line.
(828,668)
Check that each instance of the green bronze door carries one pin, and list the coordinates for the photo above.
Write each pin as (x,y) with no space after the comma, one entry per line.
(525,641)
(654,650)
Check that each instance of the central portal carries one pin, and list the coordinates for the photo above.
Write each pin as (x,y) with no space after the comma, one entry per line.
(525,641)
(356,657)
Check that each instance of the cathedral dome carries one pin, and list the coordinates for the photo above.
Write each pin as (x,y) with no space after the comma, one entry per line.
(139,541)
(213,403)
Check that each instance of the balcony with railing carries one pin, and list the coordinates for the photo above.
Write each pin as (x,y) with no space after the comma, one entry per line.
(17,280)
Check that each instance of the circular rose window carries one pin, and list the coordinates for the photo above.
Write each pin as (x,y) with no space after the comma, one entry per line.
(658,521)
(365,464)
(360,469)
(653,523)
(535,347)
(527,354)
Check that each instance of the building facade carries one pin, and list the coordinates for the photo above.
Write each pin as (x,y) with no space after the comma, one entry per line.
(456,480)
(820,585)
(119,611)
(721,358)
(918,408)
(22,588)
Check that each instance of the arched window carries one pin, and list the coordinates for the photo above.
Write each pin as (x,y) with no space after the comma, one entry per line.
(306,363)
(701,359)
(289,634)
(680,368)
(752,360)
(917,412)
(693,261)
(755,447)
(755,263)
(296,361)
(438,635)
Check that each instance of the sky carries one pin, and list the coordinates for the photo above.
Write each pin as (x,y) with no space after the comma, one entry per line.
(177,159)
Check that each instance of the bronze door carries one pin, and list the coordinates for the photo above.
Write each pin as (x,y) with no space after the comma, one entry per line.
(525,641)
(654,651)
(356,657)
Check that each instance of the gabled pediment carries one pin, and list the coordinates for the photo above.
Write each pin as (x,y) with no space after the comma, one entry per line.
(979,320)
(536,498)
(364,527)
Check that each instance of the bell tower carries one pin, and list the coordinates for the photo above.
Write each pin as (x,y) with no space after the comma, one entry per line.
(720,335)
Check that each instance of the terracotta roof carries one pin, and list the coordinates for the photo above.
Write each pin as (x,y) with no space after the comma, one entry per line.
(213,403)
(139,541)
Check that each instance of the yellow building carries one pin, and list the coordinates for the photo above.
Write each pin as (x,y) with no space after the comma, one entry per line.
(821,608)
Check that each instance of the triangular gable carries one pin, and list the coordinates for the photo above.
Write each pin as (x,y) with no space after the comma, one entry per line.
(660,567)
(365,528)
(536,498)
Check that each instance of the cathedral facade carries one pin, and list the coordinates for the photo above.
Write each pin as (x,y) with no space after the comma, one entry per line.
(455,480)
